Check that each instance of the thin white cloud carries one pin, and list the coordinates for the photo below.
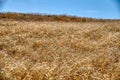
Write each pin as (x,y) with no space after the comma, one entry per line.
(91,11)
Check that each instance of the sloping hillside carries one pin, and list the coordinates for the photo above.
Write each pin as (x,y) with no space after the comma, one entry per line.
(42,17)
(55,50)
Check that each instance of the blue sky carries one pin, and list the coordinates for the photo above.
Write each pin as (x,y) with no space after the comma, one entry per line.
(83,8)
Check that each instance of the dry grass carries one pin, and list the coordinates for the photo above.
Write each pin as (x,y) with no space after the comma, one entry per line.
(59,50)
(43,17)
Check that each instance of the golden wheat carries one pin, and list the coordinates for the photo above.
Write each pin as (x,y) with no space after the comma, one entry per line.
(59,50)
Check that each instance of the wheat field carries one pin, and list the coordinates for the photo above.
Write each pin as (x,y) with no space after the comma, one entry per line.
(52,50)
